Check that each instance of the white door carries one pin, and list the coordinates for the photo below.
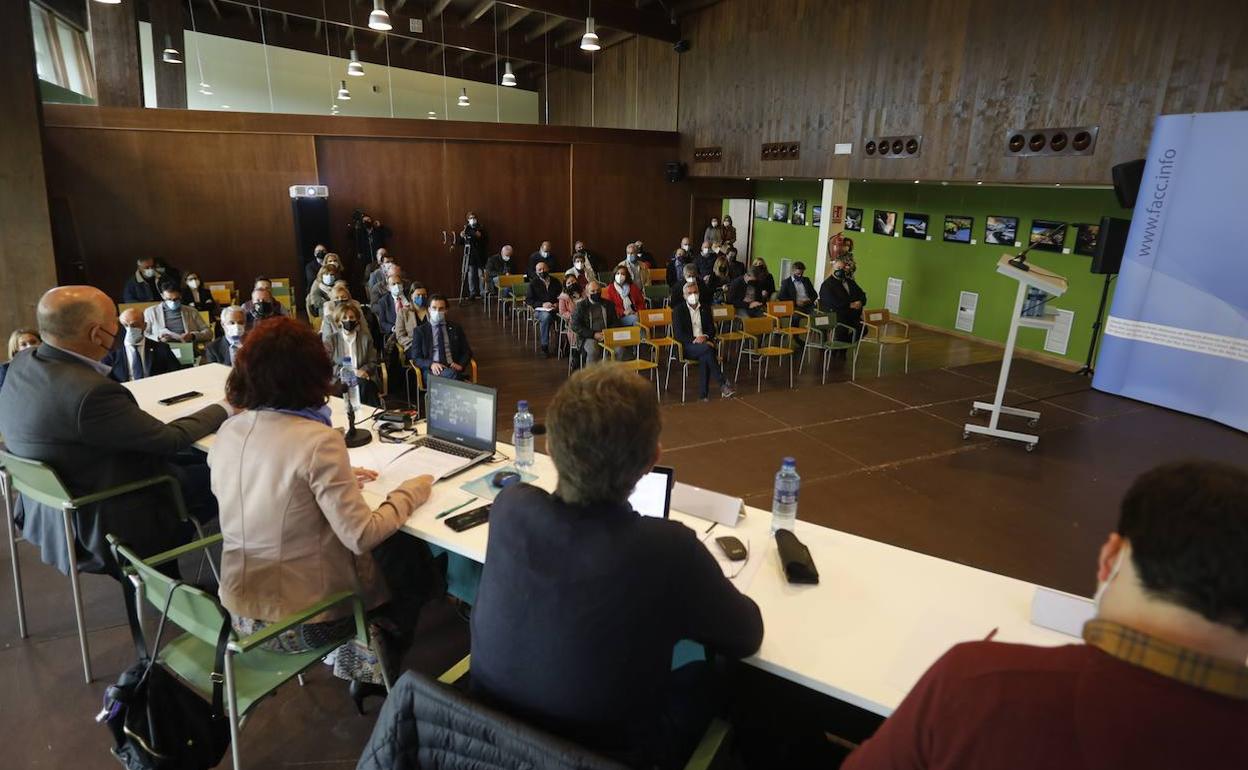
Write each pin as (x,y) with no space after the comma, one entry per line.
(741,210)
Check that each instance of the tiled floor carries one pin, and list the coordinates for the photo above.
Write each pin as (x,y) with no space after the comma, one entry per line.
(883,458)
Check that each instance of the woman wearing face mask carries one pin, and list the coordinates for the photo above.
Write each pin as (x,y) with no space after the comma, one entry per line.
(765,282)
(718,279)
(321,290)
(713,233)
(627,297)
(196,294)
(339,295)
(581,271)
(19,340)
(736,268)
(415,315)
(729,232)
(354,341)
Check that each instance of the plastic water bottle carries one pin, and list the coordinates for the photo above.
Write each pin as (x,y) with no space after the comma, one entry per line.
(522,436)
(349,378)
(784,499)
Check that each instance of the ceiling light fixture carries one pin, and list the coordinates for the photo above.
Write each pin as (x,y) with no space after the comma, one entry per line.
(109,2)
(354,68)
(509,77)
(170,54)
(463,98)
(379,19)
(343,94)
(205,89)
(589,41)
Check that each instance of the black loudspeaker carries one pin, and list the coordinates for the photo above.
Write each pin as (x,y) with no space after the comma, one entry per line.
(1127,178)
(1111,242)
(674,170)
(311,219)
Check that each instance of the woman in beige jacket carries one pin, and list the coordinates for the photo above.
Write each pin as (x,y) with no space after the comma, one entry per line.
(296,526)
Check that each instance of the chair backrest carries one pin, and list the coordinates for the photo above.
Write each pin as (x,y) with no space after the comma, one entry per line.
(184,352)
(622,336)
(878,316)
(139,306)
(195,611)
(206,317)
(721,313)
(822,319)
(780,309)
(222,292)
(510,280)
(657,291)
(758,326)
(655,317)
(520,290)
(36,480)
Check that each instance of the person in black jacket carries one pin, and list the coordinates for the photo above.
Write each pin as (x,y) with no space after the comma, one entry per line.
(694,329)
(223,349)
(798,289)
(842,295)
(143,285)
(138,356)
(543,298)
(591,318)
(476,242)
(743,294)
(498,266)
(196,294)
(764,281)
(676,269)
(440,347)
(542,254)
(581,599)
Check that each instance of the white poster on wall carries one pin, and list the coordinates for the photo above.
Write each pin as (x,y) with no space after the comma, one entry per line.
(1057,338)
(892,297)
(967,302)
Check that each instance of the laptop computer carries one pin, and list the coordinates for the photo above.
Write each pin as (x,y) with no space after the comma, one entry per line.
(460,419)
(653,494)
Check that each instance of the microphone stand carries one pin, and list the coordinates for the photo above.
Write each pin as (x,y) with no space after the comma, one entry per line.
(355,437)
(1020,259)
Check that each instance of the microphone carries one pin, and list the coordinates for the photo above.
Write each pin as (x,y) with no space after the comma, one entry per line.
(1020,260)
(354,437)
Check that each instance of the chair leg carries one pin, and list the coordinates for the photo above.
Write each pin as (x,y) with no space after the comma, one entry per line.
(17,570)
(379,649)
(299,678)
(231,708)
(879,361)
(790,372)
(205,557)
(67,515)
(759,389)
(907,358)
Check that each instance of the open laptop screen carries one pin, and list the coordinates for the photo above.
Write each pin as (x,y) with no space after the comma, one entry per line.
(462,412)
(653,494)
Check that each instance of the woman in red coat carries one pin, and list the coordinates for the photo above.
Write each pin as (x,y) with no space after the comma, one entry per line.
(627,297)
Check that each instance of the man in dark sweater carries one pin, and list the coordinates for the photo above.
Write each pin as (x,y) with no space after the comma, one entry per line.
(1161,681)
(582,599)
(543,298)
(842,295)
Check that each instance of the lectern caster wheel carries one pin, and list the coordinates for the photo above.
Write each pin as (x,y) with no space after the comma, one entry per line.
(966,434)
(974,411)
(1033,422)
(1031,447)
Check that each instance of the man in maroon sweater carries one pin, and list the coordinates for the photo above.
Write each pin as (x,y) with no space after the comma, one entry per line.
(1162,681)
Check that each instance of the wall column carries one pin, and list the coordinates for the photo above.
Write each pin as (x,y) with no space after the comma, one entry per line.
(115,42)
(25,232)
(170,78)
(835,196)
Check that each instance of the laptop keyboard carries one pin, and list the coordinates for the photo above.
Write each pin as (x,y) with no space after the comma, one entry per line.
(447,447)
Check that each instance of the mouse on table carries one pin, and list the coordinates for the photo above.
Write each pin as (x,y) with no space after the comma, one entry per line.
(503,479)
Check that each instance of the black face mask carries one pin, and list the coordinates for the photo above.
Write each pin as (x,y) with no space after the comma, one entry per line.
(263,308)
(838,274)
(350,324)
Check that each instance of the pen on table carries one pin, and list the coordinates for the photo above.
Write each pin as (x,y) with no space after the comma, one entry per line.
(991,634)
(449,511)
(707,533)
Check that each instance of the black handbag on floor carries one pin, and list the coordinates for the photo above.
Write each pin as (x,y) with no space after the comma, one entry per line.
(158,722)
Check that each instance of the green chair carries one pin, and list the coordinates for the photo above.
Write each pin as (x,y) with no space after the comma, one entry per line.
(822,336)
(657,295)
(40,483)
(515,305)
(251,672)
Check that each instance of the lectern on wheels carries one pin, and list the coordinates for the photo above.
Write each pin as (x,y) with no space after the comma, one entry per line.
(1050,283)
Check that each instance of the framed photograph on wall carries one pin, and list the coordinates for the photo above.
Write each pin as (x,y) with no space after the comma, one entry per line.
(1085,239)
(816,215)
(761,209)
(885,222)
(853,220)
(1047,235)
(779,211)
(914,226)
(958,228)
(1001,231)
(798,214)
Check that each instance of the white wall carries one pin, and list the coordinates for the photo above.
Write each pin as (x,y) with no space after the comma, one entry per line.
(307,83)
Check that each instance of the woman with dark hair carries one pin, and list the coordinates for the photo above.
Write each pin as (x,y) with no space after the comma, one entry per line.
(295,524)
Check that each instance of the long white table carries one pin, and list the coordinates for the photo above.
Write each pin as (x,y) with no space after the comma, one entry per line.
(878,618)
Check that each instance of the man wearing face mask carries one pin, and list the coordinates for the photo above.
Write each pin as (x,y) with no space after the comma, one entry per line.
(1161,681)
(314,265)
(476,242)
(440,348)
(381,277)
(542,254)
(713,233)
(390,305)
(743,294)
(543,298)
(676,270)
(414,315)
(590,320)
(694,329)
(579,250)
(60,407)
(261,306)
(643,255)
(223,349)
(139,356)
(842,295)
(798,289)
(323,285)
(638,271)
(171,321)
(705,261)
(142,286)
(499,265)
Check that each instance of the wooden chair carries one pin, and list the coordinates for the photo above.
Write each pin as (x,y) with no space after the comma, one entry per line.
(756,330)
(618,338)
(822,337)
(787,317)
(875,331)
(657,324)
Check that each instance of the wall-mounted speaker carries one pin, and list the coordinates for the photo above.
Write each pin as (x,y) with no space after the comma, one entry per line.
(781,151)
(1111,243)
(1026,142)
(708,154)
(674,170)
(893,146)
(1127,177)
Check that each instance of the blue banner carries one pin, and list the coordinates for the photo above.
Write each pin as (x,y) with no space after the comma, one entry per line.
(1177,333)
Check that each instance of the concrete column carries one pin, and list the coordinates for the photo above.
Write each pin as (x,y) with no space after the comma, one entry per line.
(835,196)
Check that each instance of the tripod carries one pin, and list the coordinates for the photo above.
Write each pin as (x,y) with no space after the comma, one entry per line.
(464,266)
(1096,328)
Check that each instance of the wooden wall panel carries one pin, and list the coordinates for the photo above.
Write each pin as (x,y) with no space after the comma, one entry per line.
(634,84)
(520,192)
(216,203)
(115,43)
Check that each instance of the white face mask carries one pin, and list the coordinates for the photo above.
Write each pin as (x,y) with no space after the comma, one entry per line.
(543,252)
(705,252)
(506,257)
(684,246)
(134,335)
(395,290)
(690,279)
(149,272)
(692,299)
(192,284)
(234,330)
(473,221)
(328,279)
(1102,587)
(714,223)
(619,279)
(172,304)
(436,316)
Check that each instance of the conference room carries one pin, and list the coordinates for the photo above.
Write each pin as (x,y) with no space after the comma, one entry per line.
(623,383)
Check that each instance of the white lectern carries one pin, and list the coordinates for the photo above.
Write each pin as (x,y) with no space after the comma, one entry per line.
(1050,283)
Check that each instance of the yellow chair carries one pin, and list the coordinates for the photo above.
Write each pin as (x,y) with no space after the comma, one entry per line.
(222,292)
(724,317)
(755,330)
(617,338)
(785,310)
(875,331)
(500,301)
(652,321)
(282,294)
(419,374)
(139,306)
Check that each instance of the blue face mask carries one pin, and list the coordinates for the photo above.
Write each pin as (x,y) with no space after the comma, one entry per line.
(419,300)
(172,304)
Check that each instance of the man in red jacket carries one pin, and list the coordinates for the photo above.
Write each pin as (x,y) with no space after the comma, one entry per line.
(1161,681)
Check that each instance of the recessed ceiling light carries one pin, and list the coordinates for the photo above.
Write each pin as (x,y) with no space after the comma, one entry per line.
(781,179)
(1057,184)
(916,181)
(979,181)
(747,179)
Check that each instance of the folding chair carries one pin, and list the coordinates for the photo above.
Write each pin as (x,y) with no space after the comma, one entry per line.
(755,330)
(500,301)
(617,338)
(725,318)
(657,324)
(875,325)
(787,317)
(518,306)
(822,337)
(657,294)
(222,292)
(421,387)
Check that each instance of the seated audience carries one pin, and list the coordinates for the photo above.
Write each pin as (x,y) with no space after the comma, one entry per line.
(694,328)
(590,318)
(142,286)
(197,295)
(764,281)
(643,255)
(728,234)
(581,271)
(140,355)
(167,272)
(59,406)
(567,301)
(391,304)
(541,255)
(744,295)
(626,296)
(717,282)
(314,265)
(354,342)
(676,270)
(543,299)
(440,347)
(380,257)
(320,290)
(587,256)
(380,279)
(638,271)
(497,266)
(224,349)
(171,321)
(842,295)
(692,277)
(582,600)
(281,456)
(338,296)
(705,260)
(262,305)
(798,289)
(736,268)
(415,314)
(19,340)
(1161,681)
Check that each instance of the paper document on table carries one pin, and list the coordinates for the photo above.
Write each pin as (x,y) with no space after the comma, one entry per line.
(376,455)
(417,462)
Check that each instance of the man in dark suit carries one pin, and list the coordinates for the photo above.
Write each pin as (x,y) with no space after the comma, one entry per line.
(59,406)
(743,294)
(440,347)
(390,302)
(142,286)
(139,356)
(842,295)
(543,298)
(694,329)
(590,320)
(541,255)
(498,266)
(476,242)
(798,289)
(223,349)
(581,599)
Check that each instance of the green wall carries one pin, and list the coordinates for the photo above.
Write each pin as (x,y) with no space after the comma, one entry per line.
(935,272)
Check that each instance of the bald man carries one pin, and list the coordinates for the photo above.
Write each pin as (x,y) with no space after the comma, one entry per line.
(59,406)
(139,356)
